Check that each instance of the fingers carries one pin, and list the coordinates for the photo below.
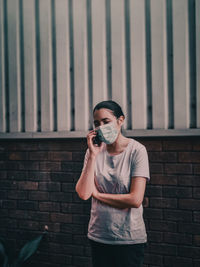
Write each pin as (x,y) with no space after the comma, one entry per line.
(90,136)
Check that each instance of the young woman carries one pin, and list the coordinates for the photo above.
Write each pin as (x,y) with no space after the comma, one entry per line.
(114,174)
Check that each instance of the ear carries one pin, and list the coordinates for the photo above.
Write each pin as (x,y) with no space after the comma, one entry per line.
(120,120)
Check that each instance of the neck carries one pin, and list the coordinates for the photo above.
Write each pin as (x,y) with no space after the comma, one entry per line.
(119,145)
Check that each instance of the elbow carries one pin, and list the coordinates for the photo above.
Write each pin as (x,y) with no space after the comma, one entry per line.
(136,205)
(82,195)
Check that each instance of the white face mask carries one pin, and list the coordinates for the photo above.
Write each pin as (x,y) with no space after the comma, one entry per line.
(107,133)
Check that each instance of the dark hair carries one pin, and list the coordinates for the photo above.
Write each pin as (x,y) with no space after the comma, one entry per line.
(111,105)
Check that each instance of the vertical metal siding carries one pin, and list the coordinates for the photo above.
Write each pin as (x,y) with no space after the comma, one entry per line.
(59,58)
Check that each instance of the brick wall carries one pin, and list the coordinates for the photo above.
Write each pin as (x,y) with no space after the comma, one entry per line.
(37,180)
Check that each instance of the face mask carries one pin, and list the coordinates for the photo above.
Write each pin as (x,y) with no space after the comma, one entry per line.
(107,133)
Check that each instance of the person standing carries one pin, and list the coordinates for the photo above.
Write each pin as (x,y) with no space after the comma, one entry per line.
(114,174)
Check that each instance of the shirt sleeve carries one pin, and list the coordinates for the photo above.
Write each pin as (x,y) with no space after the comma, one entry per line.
(140,164)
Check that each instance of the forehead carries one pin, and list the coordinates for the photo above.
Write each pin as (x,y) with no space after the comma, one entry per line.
(103,113)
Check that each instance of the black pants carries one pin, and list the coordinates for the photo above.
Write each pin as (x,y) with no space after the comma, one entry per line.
(104,255)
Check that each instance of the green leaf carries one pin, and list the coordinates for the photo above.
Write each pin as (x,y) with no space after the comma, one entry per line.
(3,253)
(29,249)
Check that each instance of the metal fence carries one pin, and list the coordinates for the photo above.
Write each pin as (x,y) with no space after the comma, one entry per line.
(58,58)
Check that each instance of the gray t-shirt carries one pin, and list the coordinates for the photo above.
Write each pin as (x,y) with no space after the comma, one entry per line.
(113,175)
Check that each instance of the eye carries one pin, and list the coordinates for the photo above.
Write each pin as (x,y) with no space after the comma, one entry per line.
(106,121)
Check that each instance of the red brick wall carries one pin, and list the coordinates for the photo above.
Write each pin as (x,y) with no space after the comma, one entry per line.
(37,181)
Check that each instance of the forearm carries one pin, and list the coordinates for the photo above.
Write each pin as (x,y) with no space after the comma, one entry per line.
(85,184)
(120,201)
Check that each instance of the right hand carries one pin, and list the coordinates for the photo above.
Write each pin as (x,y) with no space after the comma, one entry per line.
(93,148)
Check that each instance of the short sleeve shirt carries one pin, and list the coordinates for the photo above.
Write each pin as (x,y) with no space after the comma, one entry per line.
(113,175)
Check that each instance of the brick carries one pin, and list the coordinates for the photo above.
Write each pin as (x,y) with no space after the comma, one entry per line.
(78,156)
(61,238)
(178,215)
(196,144)
(196,169)
(72,208)
(71,166)
(152,259)
(189,228)
(38,176)
(197,240)
(3,213)
(177,145)
(50,166)
(17,175)
(154,236)
(156,168)
(9,204)
(66,145)
(62,176)
(177,261)
(154,191)
(196,192)
(178,192)
(163,203)
(20,145)
(27,205)
(73,250)
(79,229)
(192,252)
(61,218)
(196,263)
(49,206)
(193,157)
(17,155)
(80,239)
(68,187)
(38,195)
(177,238)
(7,184)
(80,218)
(38,155)
(189,180)
(163,249)
(8,223)
(159,179)
(38,216)
(60,156)
(196,215)
(150,213)
(3,174)
(191,204)
(82,262)
(49,186)
(152,145)
(178,168)
(14,194)
(61,196)
(28,185)
(31,225)
(164,226)
(162,156)
(28,165)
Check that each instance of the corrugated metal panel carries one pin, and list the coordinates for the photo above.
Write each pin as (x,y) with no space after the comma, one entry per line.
(59,58)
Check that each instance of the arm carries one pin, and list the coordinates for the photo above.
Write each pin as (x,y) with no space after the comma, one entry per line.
(121,201)
(85,185)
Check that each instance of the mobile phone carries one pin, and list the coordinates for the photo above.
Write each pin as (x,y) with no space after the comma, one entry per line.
(96,140)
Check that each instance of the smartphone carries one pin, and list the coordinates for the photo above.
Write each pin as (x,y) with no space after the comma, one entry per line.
(96,140)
